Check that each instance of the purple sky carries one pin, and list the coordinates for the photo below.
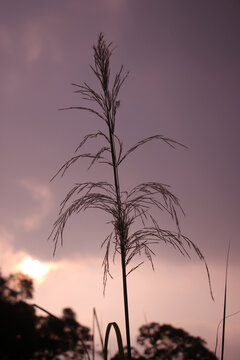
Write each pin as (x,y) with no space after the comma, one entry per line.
(183,58)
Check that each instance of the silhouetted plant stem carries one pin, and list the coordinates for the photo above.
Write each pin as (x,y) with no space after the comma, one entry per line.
(123,239)
(125,294)
(118,338)
(95,319)
(225,305)
(220,322)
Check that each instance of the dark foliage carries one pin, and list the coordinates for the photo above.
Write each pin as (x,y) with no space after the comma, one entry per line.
(166,342)
(134,355)
(24,335)
(18,320)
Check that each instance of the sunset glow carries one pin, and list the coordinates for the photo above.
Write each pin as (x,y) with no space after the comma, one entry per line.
(34,268)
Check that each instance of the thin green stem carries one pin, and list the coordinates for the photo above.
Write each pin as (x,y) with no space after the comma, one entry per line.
(95,318)
(225,305)
(220,322)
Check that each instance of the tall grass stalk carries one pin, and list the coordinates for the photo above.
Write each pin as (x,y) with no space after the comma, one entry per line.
(225,305)
(219,324)
(95,320)
(124,207)
(223,320)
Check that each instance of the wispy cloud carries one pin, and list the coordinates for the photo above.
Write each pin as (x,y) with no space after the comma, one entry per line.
(115,6)
(8,257)
(12,260)
(39,41)
(5,40)
(43,197)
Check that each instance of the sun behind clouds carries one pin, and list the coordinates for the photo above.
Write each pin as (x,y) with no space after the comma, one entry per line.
(34,268)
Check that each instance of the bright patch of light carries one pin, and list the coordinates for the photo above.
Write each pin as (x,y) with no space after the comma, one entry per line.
(34,268)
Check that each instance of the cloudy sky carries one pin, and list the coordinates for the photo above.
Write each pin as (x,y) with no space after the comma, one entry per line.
(183,58)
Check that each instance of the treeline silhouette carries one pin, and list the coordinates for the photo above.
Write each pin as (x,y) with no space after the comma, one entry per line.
(24,335)
(164,342)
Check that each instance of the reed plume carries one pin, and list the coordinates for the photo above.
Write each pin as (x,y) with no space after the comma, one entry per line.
(127,207)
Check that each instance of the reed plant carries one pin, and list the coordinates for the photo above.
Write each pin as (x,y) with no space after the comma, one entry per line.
(125,207)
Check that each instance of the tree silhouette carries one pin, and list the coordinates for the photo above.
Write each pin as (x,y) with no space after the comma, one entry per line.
(18,320)
(24,335)
(166,342)
(135,355)
(64,336)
